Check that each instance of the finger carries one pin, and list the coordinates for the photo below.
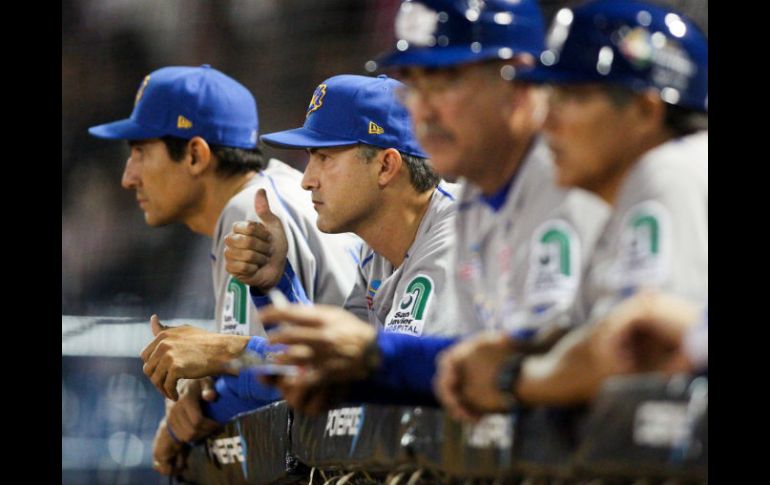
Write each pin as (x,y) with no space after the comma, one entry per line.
(241,269)
(271,380)
(208,391)
(442,378)
(156,326)
(254,243)
(164,451)
(449,386)
(150,348)
(169,384)
(300,315)
(286,335)
(158,377)
(178,421)
(154,359)
(262,206)
(248,256)
(251,228)
(162,467)
(196,425)
(189,421)
(295,355)
(149,368)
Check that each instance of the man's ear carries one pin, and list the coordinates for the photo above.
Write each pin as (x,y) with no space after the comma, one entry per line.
(199,157)
(390,163)
(650,111)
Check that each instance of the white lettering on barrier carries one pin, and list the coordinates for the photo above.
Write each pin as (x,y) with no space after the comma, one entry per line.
(493,430)
(343,421)
(226,450)
(660,424)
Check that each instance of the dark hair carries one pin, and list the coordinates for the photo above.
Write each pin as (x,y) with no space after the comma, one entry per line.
(680,120)
(421,173)
(232,161)
(685,121)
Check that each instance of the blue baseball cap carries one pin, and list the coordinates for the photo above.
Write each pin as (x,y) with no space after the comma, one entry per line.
(185,102)
(348,109)
(628,43)
(442,33)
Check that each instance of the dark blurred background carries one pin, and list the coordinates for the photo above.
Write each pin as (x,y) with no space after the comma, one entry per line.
(113,265)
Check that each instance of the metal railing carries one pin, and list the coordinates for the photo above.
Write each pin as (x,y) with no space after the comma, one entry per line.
(643,427)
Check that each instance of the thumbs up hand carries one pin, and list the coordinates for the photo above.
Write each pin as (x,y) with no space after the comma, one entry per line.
(255,252)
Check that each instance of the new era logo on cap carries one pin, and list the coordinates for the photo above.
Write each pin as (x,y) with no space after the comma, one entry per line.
(183,123)
(375,129)
(187,102)
(346,110)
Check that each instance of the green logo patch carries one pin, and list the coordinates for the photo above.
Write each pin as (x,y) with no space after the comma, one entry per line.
(408,315)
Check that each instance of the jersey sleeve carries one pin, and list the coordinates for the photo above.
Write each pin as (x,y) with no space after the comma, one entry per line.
(425,300)
(360,297)
(561,248)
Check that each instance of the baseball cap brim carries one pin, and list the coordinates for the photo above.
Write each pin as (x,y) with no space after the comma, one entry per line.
(300,138)
(443,56)
(124,130)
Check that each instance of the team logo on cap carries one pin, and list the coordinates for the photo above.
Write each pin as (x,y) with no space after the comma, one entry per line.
(636,46)
(671,65)
(183,123)
(140,91)
(417,24)
(317,100)
(375,129)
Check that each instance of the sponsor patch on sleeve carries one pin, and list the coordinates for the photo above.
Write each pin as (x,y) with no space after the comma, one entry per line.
(643,256)
(408,315)
(554,266)
(235,311)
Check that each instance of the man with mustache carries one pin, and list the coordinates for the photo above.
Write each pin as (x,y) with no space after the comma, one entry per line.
(522,242)
(628,120)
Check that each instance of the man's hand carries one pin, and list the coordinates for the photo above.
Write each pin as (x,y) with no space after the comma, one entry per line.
(646,333)
(187,352)
(255,252)
(168,456)
(466,380)
(331,341)
(308,392)
(185,416)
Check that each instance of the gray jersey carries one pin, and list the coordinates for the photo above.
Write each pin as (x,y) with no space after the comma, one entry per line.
(519,266)
(657,236)
(418,297)
(323,263)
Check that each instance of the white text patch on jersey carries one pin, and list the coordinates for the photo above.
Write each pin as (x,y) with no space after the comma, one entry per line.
(408,315)
(644,247)
(554,267)
(235,314)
